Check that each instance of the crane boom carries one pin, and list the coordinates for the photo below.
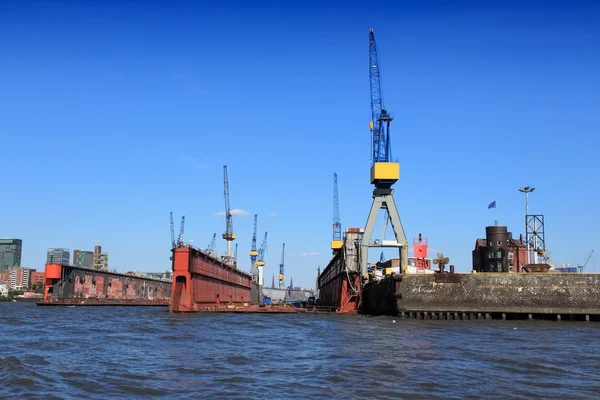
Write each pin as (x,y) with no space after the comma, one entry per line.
(261,252)
(336,243)
(229,236)
(181,229)
(380,119)
(172,232)
(253,252)
(211,246)
(587,260)
(281,277)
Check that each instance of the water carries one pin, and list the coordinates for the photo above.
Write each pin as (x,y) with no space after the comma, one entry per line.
(130,352)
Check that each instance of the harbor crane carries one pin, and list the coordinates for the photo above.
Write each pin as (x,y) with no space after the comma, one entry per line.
(180,238)
(587,260)
(211,246)
(254,253)
(235,256)
(281,284)
(261,252)
(337,242)
(229,236)
(384,171)
(172,232)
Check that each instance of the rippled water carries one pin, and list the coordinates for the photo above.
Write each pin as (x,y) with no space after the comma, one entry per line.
(129,352)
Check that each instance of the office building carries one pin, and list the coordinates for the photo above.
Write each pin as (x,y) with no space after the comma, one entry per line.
(10,253)
(83,258)
(58,256)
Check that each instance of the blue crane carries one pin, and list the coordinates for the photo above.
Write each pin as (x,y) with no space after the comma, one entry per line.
(336,243)
(181,229)
(172,233)
(380,119)
(211,246)
(253,252)
(229,236)
(281,284)
(261,252)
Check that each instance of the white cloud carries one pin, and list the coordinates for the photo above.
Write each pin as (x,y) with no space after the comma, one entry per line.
(309,254)
(236,211)
(273,214)
(193,162)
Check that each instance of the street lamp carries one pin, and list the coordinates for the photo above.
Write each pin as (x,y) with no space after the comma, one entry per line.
(526,190)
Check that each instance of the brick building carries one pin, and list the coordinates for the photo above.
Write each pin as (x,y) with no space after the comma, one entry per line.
(499,252)
(36,277)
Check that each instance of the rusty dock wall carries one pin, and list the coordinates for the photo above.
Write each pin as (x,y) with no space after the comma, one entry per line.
(67,283)
(567,296)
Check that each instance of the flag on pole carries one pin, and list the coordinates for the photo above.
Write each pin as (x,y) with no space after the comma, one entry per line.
(492,204)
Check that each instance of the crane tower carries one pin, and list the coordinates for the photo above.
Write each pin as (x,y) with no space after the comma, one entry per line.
(384,172)
(254,253)
(281,284)
(336,243)
(261,252)
(229,236)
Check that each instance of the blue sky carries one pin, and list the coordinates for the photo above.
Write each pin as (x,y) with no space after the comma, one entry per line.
(113,114)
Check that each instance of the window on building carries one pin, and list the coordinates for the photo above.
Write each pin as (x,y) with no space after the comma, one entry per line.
(499,267)
(511,268)
(491,243)
(511,255)
(499,254)
(499,243)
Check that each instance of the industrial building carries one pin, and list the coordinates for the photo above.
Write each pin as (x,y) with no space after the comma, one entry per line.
(499,252)
(82,258)
(10,253)
(58,256)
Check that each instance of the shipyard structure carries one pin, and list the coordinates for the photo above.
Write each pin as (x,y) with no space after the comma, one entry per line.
(510,277)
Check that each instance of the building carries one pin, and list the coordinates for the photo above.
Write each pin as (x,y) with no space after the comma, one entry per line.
(499,252)
(10,253)
(100,259)
(36,278)
(58,256)
(18,278)
(83,258)
(3,290)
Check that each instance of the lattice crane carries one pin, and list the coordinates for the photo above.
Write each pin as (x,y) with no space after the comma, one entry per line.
(261,252)
(180,238)
(254,253)
(211,246)
(336,243)
(172,232)
(281,270)
(384,172)
(587,260)
(229,236)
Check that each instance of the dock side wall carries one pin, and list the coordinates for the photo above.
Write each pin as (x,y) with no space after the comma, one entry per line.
(485,293)
(83,283)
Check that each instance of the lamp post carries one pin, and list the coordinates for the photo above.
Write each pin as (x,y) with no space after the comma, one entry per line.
(526,190)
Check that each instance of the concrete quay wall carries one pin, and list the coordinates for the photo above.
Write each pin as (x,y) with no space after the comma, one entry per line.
(521,293)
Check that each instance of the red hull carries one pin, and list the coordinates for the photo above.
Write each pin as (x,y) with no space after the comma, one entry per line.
(200,280)
(339,289)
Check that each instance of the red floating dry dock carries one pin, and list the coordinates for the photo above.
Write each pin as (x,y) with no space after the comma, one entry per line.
(200,280)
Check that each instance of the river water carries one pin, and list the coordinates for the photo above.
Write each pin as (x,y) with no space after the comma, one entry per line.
(144,352)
